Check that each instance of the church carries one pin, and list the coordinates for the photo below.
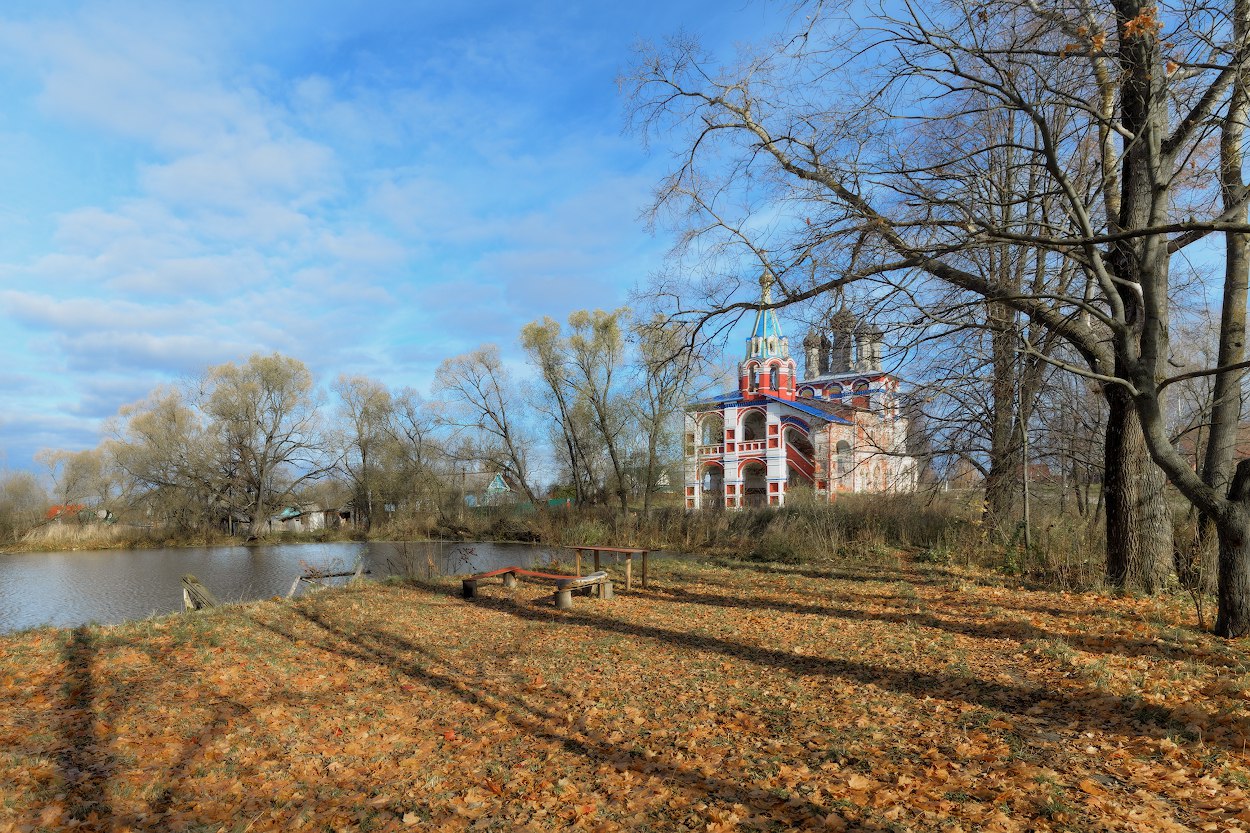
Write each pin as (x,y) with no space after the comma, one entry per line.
(837,430)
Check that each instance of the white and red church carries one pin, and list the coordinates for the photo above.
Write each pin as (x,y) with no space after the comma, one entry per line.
(838,430)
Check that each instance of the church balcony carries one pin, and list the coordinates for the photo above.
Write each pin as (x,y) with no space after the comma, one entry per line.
(711,450)
(751,445)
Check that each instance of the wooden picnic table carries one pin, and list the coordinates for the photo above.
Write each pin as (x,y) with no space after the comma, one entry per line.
(628,552)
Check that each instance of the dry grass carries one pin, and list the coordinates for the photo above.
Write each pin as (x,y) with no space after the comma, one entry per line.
(762,697)
(76,536)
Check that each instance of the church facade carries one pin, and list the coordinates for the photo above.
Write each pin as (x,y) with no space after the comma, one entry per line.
(838,429)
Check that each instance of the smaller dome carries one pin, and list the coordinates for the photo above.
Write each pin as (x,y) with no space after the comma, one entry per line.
(843,321)
(812,339)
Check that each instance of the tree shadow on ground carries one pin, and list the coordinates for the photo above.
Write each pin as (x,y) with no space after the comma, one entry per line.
(1125,716)
(928,576)
(84,767)
(549,722)
(1012,629)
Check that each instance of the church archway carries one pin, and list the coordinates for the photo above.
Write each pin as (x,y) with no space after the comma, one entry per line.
(712,429)
(754,426)
(712,486)
(755,483)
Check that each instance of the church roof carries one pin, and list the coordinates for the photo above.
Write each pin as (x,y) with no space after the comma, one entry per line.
(828,411)
(766,339)
(766,324)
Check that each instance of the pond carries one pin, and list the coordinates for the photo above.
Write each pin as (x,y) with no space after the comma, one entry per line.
(110,586)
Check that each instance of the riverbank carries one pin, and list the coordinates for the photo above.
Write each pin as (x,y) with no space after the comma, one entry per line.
(748,697)
(70,537)
(942,529)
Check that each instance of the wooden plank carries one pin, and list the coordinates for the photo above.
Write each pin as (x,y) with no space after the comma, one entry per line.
(578,582)
(195,595)
(520,572)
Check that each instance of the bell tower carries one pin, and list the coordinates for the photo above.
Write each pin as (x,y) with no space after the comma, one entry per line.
(767,369)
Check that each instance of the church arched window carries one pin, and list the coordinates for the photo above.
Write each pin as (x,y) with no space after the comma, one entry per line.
(846,460)
(861,394)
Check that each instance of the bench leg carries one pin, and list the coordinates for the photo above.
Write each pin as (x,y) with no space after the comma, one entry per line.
(605,591)
(509,580)
(468,587)
(564,600)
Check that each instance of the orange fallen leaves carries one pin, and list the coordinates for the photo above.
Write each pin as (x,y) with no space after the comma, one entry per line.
(720,699)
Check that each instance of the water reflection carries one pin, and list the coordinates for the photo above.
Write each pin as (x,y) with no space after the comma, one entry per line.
(110,586)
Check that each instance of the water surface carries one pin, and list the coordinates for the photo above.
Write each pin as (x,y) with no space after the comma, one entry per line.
(110,586)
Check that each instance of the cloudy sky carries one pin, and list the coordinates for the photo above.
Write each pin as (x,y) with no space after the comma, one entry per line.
(370,187)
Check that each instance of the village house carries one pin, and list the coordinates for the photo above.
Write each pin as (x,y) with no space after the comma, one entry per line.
(838,430)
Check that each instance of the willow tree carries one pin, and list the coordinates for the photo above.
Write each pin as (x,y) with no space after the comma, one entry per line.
(821,130)
(264,420)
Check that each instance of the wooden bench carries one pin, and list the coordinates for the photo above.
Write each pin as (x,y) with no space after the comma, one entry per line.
(565,585)
(628,552)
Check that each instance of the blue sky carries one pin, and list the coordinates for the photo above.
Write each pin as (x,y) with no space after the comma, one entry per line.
(369,187)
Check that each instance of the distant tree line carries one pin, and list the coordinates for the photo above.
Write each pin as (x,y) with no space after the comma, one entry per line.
(596,418)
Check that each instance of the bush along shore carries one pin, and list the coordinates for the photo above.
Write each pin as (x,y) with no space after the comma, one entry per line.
(753,697)
(1067,551)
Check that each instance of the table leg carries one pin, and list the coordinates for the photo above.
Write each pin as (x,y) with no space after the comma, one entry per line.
(629,571)
(577,562)
(644,570)
(596,561)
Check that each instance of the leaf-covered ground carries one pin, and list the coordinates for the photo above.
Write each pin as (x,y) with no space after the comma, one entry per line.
(752,698)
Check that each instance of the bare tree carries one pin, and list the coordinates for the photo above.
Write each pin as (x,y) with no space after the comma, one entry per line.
(548,351)
(22,504)
(1140,86)
(596,348)
(78,477)
(169,461)
(667,369)
(485,404)
(413,450)
(365,409)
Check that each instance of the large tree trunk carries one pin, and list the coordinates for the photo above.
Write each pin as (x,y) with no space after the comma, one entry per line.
(1002,481)
(1233,619)
(1226,394)
(1139,521)
(1233,527)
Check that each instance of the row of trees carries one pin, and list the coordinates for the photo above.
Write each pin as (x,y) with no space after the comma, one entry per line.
(1055,178)
(595,419)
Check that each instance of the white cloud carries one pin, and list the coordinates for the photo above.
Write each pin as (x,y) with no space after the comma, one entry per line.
(377,213)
